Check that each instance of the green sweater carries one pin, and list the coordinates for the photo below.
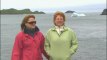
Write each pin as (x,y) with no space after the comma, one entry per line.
(61,47)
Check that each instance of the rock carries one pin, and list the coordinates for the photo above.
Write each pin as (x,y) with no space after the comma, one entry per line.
(104,12)
(69,11)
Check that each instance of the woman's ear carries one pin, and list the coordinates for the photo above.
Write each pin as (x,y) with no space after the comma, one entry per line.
(25,24)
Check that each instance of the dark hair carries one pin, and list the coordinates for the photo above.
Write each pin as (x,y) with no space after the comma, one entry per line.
(25,20)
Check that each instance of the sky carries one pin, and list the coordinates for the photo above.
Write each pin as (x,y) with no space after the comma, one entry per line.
(55,5)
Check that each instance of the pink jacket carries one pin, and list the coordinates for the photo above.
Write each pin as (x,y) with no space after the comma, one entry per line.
(28,48)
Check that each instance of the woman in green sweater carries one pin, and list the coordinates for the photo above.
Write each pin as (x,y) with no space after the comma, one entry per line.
(61,42)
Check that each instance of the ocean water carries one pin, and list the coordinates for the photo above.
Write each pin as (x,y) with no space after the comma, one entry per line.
(90,30)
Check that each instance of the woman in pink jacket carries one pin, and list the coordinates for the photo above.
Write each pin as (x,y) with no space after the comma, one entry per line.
(29,43)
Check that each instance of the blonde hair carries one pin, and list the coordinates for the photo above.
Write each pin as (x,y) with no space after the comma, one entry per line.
(59,13)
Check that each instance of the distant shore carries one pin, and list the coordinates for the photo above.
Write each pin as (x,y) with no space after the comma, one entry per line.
(15,11)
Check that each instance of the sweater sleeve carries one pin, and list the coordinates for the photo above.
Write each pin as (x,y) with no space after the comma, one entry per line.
(17,48)
(74,44)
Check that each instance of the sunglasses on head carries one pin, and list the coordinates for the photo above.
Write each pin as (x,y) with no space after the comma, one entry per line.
(32,22)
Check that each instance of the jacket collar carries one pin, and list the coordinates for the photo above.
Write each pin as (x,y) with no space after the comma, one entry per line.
(54,29)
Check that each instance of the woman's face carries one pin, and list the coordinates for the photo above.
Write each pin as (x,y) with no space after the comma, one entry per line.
(31,23)
(59,21)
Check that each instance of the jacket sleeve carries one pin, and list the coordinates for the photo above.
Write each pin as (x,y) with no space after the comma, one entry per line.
(42,48)
(74,44)
(47,44)
(17,49)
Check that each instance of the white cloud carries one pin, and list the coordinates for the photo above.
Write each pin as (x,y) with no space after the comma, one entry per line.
(46,3)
